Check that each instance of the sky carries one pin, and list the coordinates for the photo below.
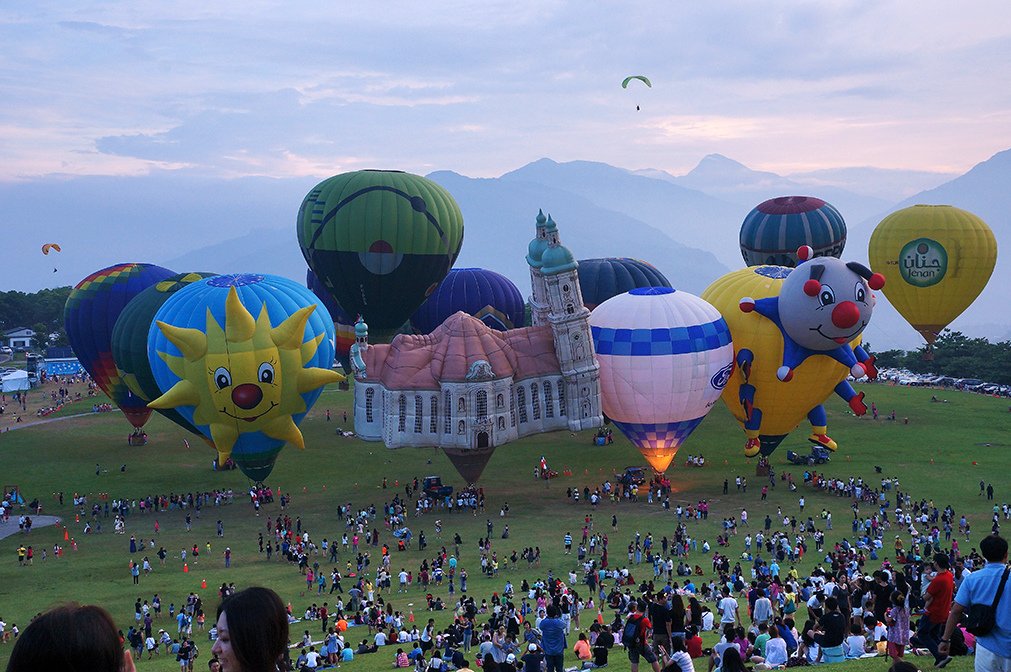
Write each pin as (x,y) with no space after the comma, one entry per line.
(297,89)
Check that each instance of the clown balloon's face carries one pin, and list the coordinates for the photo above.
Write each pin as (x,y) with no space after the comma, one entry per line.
(824,304)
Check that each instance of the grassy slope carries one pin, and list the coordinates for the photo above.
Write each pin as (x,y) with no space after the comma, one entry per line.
(933,456)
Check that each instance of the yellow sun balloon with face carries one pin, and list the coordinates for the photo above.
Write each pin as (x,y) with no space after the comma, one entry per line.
(245,377)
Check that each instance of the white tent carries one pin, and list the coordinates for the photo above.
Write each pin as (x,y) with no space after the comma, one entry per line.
(15,381)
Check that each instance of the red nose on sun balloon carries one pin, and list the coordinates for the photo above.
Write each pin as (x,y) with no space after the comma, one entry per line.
(247,396)
(876,281)
(812,287)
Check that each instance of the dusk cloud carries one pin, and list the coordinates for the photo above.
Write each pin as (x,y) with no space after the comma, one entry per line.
(260,88)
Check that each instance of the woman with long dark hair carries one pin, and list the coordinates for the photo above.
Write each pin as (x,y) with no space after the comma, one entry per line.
(252,632)
(71,638)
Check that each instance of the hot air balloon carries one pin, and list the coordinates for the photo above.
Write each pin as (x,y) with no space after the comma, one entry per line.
(600,279)
(487,295)
(242,358)
(775,229)
(380,241)
(796,336)
(90,317)
(664,356)
(343,324)
(129,341)
(937,259)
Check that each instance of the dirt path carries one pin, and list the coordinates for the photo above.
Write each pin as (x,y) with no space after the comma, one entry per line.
(10,528)
(44,421)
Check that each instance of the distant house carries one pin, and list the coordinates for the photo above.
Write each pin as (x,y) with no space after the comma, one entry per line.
(19,338)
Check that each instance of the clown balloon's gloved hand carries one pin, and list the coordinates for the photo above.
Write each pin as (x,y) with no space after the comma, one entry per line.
(872,371)
(858,405)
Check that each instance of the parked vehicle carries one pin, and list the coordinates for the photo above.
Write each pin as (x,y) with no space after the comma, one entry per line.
(632,476)
(433,487)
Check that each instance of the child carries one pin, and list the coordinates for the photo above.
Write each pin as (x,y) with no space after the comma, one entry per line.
(856,643)
(897,620)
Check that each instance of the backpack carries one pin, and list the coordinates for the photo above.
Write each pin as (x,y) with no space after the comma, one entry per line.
(631,634)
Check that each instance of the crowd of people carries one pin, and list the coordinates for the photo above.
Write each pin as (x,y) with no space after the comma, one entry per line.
(655,596)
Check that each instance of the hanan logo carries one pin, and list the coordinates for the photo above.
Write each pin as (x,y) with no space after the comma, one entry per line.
(722,377)
(923,262)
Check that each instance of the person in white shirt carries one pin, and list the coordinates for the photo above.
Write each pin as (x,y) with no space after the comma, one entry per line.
(678,656)
(729,612)
(775,651)
(856,644)
(312,659)
(380,638)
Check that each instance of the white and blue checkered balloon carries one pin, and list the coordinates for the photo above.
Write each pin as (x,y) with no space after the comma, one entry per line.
(665,356)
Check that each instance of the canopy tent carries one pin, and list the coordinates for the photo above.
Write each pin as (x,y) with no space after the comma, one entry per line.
(15,381)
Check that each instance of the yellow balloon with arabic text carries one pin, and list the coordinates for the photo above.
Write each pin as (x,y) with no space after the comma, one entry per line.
(936,259)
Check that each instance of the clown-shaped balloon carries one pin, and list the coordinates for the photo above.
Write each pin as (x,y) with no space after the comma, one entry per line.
(809,325)
(244,381)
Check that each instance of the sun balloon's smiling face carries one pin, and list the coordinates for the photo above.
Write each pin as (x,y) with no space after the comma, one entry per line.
(244,376)
(246,385)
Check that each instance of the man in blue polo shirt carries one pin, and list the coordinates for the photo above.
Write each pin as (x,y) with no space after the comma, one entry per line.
(553,640)
(993,651)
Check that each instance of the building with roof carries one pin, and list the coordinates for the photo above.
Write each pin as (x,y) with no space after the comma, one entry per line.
(468,388)
(19,338)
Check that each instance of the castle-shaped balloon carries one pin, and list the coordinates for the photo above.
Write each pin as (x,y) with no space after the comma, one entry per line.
(468,388)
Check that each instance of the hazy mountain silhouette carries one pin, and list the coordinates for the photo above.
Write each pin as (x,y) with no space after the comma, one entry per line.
(687,226)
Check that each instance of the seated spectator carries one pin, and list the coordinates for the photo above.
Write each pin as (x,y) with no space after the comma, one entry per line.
(856,644)
(63,637)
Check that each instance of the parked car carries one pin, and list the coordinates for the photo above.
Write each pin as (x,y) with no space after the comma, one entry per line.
(433,487)
(632,476)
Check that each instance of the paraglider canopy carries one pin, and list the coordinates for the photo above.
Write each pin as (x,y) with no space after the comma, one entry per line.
(641,78)
(48,247)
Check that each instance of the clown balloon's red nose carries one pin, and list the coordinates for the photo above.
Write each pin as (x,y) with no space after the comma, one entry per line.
(247,395)
(845,315)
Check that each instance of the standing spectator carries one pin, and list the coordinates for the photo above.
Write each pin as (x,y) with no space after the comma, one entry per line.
(635,638)
(553,640)
(993,650)
(729,612)
(897,619)
(938,605)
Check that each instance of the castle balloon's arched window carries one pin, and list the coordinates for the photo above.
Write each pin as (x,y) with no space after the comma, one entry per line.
(482,404)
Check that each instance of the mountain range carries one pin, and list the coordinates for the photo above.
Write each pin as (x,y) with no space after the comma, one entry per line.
(687,226)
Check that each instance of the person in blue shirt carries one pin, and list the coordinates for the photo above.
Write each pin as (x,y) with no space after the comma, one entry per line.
(993,650)
(553,641)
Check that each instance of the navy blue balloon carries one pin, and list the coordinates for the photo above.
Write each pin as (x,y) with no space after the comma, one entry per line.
(487,295)
(775,229)
(602,279)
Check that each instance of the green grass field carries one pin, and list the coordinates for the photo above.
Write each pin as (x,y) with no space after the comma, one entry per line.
(941,454)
